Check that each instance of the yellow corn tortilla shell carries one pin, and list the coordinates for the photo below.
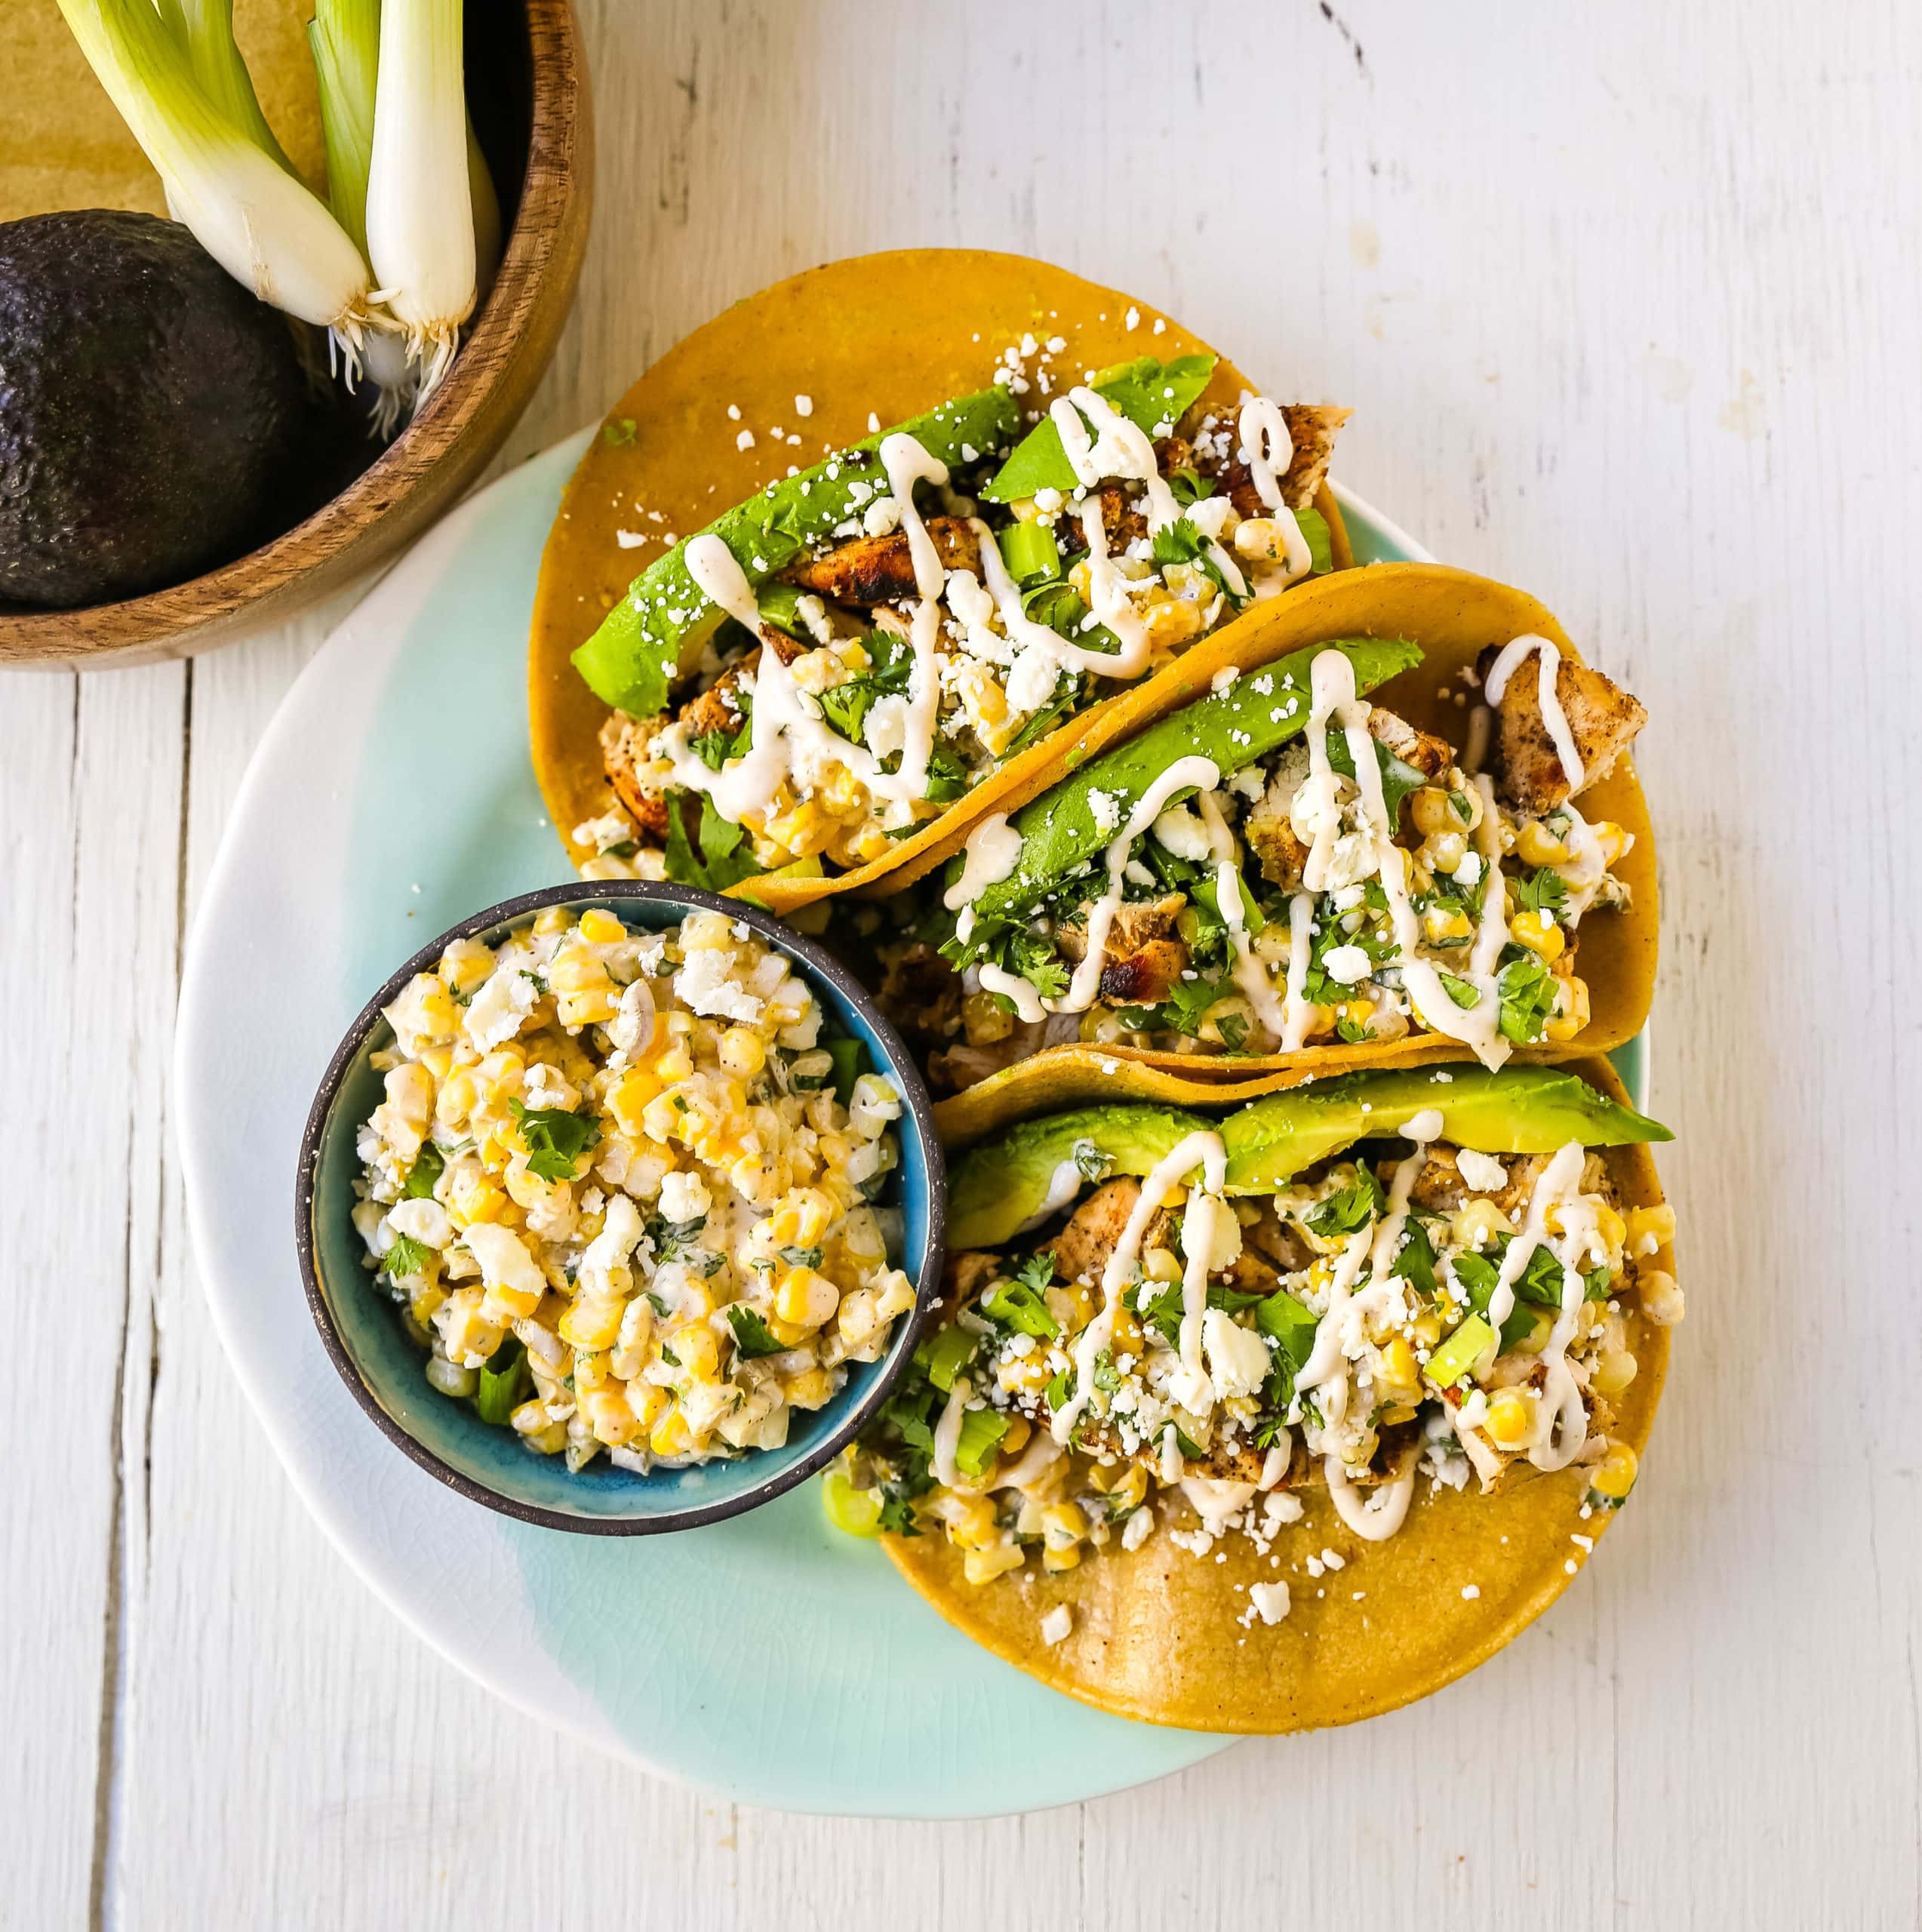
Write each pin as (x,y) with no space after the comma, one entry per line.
(1155,1634)
(1452,615)
(889,335)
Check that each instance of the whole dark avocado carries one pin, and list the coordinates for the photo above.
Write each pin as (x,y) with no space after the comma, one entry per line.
(151,409)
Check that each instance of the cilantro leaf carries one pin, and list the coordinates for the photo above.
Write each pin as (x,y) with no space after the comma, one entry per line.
(752,1337)
(555,1139)
(1398,777)
(1528,991)
(1351,1210)
(1545,891)
(406,1257)
(428,1167)
(1464,993)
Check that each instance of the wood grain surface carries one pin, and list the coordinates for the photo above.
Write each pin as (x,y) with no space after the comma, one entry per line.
(1624,299)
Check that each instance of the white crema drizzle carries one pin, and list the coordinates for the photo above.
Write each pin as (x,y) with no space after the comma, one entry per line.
(1334,701)
(1200,1149)
(1507,661)
(1268,450)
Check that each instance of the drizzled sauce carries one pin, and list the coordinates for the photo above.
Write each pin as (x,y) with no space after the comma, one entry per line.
(1200,1149)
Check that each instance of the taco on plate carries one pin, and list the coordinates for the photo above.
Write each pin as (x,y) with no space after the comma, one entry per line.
(1277,1418)
(1294,870)
(875,546)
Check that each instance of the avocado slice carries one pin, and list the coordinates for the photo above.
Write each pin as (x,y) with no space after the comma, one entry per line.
(661,624)
(1259,712)
(1154,396)
(996,1186)
(1515,1110)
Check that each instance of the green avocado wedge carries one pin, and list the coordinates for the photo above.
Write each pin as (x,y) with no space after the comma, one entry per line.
(1154,396)
(1513,1110)
(658,627)
(995,1188)
(1257,713)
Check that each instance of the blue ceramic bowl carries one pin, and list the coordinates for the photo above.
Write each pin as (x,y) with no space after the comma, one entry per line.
(383,1364)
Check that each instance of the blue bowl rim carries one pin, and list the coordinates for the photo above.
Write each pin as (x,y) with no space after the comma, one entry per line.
(906,1076)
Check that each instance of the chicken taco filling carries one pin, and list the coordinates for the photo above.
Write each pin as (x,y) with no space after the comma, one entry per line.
(1280,865)
(832,664)
(1180,1323)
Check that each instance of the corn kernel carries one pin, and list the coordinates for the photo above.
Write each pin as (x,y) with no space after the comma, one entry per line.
(1650,1228)
(1055,1560)
(1612,840)
(1446,925)
(1024,1375)
(1610,1226)
(1614,1473)
(1613,1372)
(608,1414)
(1396,1374)
(675,1064)
(1434,811)
(695,1348)
(628,1099)
(740,1051)
(1510,1418)
(1476,1223)
(983,1566)
(670,1436)
(599,928)
(1572,1013)
(550,921)
(1538,932)
(1538,846)
(588,1323)
(1062,1525)
(810,1389)
(971,1524)
(530,1418)
(648,1403)
(1661,1296)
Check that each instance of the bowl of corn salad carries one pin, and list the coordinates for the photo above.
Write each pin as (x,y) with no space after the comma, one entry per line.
(615,1206)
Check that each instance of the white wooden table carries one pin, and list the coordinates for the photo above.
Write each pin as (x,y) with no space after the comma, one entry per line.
(1626,300)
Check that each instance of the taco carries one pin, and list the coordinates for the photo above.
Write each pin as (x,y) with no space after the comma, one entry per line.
(1289,873)
(1280,1419)
(973,498)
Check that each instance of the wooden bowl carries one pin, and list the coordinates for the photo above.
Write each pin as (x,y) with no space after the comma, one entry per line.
(528,87)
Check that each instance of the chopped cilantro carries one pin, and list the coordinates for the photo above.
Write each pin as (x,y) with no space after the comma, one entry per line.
(752,1337)
(1464,993)
(555,1139)
(427,1169)
(1544,892)
(406,1257)
(1350,1210)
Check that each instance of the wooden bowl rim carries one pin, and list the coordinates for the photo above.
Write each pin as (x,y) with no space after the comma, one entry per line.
(55,639)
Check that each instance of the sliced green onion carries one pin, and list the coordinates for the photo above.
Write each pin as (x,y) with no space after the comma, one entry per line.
(1460,1353)
(260,224)
(345,36)
(204,29)
(419,206)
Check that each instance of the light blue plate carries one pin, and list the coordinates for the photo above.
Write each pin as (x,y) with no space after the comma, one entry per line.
(768,1658)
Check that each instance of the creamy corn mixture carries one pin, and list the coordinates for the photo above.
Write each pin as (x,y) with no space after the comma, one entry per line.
(625,1189)
(1176,1356)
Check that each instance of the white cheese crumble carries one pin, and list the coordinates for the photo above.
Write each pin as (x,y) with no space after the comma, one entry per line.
(1056,1625)
(1270,1600)
(1482,1172)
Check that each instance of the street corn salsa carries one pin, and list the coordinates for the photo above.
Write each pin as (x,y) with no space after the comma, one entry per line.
(1220,1316)
(835,663)
(627,1188)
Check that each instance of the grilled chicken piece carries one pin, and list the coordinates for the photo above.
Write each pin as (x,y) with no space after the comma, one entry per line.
(1143,956)
(1312,427)
(624,745)
(1603,720)
(881,570)
(919,991)
(972,1269)
(625,742)
(1082,1248)
(1430,755)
